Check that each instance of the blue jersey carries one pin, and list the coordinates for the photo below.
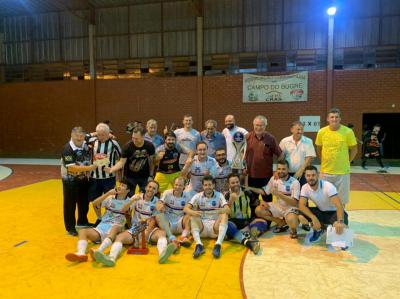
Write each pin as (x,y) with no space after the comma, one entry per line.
(143,209)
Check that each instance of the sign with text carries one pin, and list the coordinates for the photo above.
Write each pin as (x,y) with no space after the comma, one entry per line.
(285,88)
(310,123)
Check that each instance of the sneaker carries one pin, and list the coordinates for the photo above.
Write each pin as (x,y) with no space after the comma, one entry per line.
(217,251)
(73,233)
(253,245)
(74,257)
(344,248)
(199,250)
(306,227)
(185,242)
(316,236)
(382,170)
(293,234)
(166,253)
(364,167)
(104,259)
(280,229)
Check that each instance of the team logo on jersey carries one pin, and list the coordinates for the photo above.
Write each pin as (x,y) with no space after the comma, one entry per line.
(287,188)
(213,203)
(152,208)
(197,169)
(183,203)
(238,137)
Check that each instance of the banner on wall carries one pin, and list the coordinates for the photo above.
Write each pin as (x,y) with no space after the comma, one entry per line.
(285,88)
(311,123)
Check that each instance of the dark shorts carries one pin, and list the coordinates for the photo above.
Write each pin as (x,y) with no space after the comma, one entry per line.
(240,223)
(327,217)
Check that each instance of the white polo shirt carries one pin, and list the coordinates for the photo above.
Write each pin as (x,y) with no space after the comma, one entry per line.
(294,153)
(289,187)
(322,196)
(228,134)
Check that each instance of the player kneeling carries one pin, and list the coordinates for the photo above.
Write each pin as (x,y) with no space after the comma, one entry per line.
(111,223)
(209,216)
(172,219)
(144,206)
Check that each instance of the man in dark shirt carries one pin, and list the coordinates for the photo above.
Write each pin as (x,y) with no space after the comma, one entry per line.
(261,148)
(167,159)
(137,160)
(76,162)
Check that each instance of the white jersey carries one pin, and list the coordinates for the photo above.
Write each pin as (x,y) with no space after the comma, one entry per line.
(221,177)
(228,134)
(174,205)
(187,139)
(208,206)
(198,170)
(113,214)
(289,187)
(322,196)
(143,209)
(296,153)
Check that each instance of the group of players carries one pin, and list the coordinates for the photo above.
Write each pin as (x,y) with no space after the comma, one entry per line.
(208,198)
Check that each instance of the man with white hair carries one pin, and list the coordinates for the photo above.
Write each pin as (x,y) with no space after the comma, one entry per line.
(152,135)
(105,153)
(214,139)
(261,148)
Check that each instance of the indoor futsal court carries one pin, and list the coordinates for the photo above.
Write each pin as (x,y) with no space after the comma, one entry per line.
(99,93)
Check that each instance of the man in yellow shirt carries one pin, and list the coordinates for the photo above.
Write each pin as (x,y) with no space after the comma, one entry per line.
(337,147)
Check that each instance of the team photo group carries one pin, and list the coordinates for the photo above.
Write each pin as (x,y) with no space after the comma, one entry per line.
(179,188)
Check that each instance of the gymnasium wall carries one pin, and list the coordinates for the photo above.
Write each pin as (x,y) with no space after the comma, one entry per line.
(36,118)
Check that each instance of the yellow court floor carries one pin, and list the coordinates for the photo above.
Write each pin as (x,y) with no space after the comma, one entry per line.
(33,245)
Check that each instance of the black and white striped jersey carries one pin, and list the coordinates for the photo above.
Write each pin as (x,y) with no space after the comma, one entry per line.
(110,151)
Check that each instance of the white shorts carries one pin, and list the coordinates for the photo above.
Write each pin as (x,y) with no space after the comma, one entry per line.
(104,229)
(278,212)
(176,226)
(208,229)
(342,184)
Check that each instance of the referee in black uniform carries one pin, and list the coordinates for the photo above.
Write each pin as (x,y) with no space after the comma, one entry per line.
(105,153)
(76,162)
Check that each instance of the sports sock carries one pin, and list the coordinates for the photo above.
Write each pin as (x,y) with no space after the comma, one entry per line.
(115,250)
(161,244)
(221,232)
(82,244)
(105,244)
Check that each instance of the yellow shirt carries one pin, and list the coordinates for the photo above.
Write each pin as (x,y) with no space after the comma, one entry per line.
(335,149)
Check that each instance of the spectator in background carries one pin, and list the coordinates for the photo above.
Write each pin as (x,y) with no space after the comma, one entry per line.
(214,140)
(372,149)
(151,134)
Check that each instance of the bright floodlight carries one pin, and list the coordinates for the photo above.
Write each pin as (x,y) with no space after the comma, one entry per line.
(331,11)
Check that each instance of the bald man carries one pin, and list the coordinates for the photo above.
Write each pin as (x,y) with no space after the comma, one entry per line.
(228,132)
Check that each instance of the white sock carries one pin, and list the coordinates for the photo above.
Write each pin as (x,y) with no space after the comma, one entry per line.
(221,232)
(161,244)
(105,244)
(196,235)
(115,250)
(82,244)
(185,233)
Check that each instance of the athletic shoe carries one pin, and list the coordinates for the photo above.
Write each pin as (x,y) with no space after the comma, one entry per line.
(293,234)
(217,251)
(104,259)
(74,257)
(344,248)
(316,236)
(280,229)
(364,167)
(199,250)
(382,170)
(166,253)
(185,242)
(253,245)
(73,233)
(306,227)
